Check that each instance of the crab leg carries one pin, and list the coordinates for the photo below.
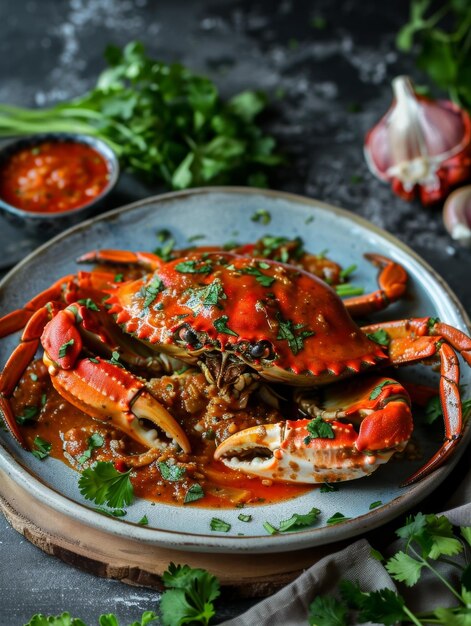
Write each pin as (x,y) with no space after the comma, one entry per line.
(147,260)
(392,281)
(67,289)
(364,425)
(424,338)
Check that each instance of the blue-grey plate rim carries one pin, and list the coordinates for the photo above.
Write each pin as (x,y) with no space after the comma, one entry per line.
(212,542)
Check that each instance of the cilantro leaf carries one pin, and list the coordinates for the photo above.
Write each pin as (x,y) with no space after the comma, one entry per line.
(297,520)
(383,606)
(94,441)
(219,525)
(264,279)
(262,216)
(195,492)
(89,304)
(29,414)
(64,348)
(319,429)
(327,611)
(189,597)
(194,267)
(172,473)
(293,334)
(208,296)
(103,484)
(405,568)
(220,324)
(151,291)
(337,518)
(42,448)
(377,390)
(380,336)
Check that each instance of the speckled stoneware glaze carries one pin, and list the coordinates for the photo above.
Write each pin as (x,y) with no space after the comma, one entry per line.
(48,224)
(222,214)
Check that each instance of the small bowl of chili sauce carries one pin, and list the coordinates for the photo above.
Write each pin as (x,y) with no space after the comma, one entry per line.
(52,181)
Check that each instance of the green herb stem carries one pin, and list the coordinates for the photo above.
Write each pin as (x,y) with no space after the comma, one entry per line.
(412,617)
(437,574)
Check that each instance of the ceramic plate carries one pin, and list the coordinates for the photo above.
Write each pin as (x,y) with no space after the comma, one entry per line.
(221,215)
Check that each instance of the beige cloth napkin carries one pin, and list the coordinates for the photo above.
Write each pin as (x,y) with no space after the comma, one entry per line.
(289,607)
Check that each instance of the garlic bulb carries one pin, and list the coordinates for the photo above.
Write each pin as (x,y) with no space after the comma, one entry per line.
(422,146)
(457,215)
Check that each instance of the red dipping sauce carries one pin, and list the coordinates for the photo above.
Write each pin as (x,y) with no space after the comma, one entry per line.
(53,176)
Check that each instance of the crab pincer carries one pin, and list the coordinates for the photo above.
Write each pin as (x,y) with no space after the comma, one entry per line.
(356,429)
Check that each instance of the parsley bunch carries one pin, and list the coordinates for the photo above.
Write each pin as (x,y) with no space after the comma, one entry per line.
(429,540)
(442,34)
(162,121)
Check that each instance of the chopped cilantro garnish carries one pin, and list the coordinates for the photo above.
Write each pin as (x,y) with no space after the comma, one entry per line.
(377,390)
(262,216)
(103,484)
(165,251)
(207,296)
(337,518)
(309,219)
(118,278)
(263,279)
(292,333)
(42,448)
(111,512)
(219,525)
(195,492)
(375,505)
(64,348)
(143,521)
(172,473)
(244,518)
(297,520)
(89,304)
(29,414)
(380,336)
(94,441)
(194,267)
(115,359)
(269,528)
(93,360)
(151,291)
(220,324)
(319,429)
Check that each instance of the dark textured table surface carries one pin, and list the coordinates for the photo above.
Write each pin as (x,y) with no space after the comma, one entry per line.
(317,78)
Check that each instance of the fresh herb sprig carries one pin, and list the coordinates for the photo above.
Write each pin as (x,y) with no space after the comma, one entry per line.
(163,122)
(103,484)
(429,540)
(440,36)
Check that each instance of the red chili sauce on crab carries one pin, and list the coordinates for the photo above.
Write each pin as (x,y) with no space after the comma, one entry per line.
(53,176)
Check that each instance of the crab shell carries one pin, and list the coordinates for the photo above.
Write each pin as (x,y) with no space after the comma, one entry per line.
(280,320)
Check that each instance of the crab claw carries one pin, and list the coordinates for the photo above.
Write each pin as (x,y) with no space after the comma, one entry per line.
(353,446)
(110,393)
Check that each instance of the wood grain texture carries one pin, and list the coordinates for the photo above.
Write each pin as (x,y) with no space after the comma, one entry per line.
(135,563)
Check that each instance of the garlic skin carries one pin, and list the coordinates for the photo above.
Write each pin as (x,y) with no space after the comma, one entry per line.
(457,215)
(421,146)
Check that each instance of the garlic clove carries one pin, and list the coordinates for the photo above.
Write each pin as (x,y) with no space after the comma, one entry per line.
(457,215)
(422,146)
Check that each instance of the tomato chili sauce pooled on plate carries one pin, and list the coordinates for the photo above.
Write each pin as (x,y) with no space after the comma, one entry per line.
(53,176)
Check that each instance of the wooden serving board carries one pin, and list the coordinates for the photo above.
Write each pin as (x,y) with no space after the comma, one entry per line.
(134,563)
